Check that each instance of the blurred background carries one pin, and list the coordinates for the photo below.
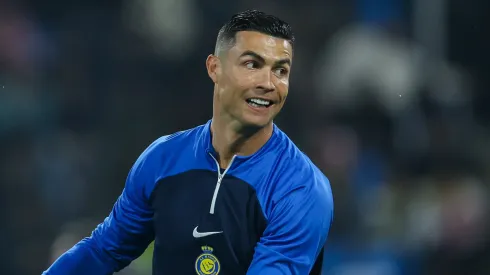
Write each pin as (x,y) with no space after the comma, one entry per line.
(387,97)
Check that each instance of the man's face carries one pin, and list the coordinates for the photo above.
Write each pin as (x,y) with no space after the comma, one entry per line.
(252,78)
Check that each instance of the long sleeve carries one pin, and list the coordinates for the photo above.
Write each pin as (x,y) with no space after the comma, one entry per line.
(296,232)
(122,236)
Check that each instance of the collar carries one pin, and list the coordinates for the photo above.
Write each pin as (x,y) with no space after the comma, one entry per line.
(271,145)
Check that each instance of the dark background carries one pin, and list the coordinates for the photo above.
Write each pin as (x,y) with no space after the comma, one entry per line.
(388,98)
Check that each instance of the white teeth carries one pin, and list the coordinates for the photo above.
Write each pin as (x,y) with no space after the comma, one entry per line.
(261,102)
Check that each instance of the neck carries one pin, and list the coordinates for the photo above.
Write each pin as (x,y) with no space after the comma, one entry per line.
(230,139)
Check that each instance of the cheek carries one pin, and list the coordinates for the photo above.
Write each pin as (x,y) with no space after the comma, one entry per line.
(282,87)
(246,79)
(282,82)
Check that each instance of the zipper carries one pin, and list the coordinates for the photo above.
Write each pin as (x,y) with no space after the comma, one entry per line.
(218,183)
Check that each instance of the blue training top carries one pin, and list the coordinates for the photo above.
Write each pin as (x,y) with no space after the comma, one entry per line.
(268,213)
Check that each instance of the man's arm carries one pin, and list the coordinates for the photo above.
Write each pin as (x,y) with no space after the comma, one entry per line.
(296,233)
(124,234)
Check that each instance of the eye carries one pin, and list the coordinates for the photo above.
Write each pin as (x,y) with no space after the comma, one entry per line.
(281,71)
(251,64)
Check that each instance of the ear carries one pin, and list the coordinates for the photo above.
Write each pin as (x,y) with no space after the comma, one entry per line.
(213,65)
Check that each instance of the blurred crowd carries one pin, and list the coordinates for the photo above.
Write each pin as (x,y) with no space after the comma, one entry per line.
(387,97)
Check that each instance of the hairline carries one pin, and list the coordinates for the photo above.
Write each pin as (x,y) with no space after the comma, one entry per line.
(231,42)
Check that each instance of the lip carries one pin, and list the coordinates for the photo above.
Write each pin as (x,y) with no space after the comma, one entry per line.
(260,110)
(263,98)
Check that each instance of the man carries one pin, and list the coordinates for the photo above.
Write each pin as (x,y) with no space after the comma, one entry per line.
(232,196)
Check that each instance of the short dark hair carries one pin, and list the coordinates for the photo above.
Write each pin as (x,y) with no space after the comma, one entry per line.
(253,20)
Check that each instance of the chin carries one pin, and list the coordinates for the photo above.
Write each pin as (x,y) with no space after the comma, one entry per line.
(255,122)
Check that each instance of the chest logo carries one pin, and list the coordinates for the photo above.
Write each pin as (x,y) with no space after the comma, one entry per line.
(197,234)
(207,263)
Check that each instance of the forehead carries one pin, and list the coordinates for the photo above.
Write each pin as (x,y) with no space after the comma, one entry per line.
(263,44)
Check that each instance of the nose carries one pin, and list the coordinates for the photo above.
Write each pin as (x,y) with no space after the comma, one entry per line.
(265,82)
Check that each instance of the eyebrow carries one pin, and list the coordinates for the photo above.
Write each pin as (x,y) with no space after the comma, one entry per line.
(262,60)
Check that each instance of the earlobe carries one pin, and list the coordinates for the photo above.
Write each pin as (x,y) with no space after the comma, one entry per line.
(214,67)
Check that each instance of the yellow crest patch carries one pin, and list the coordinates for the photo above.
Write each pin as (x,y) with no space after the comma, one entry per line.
(207,263)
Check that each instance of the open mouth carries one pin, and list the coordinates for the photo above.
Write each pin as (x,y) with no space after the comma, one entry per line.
(259,102)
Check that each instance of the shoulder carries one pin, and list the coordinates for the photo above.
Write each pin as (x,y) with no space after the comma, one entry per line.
(297,172)
(298,188)
(174,142)
(164,156)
